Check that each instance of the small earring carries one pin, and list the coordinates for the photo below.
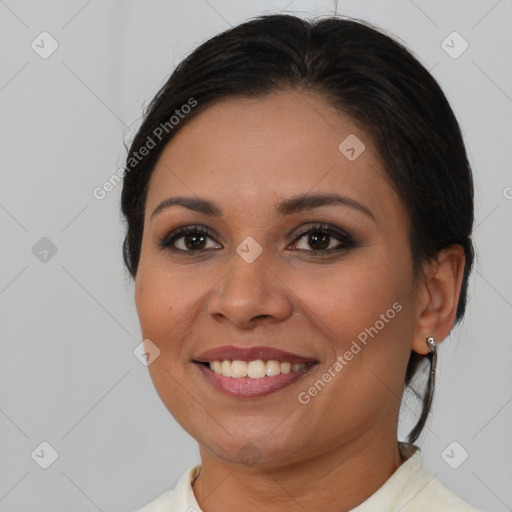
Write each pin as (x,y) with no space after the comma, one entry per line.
(431,342)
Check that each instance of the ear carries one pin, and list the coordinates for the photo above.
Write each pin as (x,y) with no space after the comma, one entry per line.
(438,297)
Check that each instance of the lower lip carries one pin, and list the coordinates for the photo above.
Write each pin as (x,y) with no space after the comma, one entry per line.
(247,387)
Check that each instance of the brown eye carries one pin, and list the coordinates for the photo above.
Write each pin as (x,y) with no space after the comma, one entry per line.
(188,239)
(193,241)
(321,238)
(319,241)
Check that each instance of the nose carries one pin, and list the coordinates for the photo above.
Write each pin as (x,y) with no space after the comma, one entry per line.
(250,293)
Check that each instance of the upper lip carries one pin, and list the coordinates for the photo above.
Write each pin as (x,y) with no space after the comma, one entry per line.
(250,354)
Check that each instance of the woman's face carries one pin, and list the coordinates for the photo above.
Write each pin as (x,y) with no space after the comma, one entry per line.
(346,302)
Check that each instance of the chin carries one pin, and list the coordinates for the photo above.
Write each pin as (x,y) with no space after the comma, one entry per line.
(251,450)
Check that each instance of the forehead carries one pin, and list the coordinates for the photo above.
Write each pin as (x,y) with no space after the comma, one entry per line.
(253,152)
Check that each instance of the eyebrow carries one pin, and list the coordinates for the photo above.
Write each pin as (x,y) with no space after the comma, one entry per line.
(286,207)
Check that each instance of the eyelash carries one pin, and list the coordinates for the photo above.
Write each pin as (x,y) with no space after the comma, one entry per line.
(346,240)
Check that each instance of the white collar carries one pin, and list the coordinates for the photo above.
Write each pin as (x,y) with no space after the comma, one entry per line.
(401,487)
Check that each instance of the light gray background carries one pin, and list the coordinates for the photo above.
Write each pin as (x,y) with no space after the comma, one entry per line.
(68,375)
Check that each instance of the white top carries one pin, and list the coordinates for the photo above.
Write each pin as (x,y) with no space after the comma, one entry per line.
(409,489)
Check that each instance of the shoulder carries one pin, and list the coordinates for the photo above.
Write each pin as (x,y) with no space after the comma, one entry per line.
(181,498)
(162,503)
(431,494)
(442,499)
(412,488)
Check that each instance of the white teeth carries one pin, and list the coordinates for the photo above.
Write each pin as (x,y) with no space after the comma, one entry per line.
(256,369)
(225,368)
(272,368)
(238,368)
(286,368)
(253,369)
(216,366)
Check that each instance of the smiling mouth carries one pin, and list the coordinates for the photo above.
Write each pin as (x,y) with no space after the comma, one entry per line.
(249,379)
(255,369)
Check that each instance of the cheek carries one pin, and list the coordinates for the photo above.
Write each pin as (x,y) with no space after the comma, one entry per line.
(350,297)
(161,311)
(150,303)
(161,293)
(367,322)
(362,308)
(158,309)
(169,300)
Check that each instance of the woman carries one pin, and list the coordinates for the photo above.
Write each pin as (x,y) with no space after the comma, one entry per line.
(299,207)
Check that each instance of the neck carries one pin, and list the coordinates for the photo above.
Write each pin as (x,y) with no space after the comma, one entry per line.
(339,479)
